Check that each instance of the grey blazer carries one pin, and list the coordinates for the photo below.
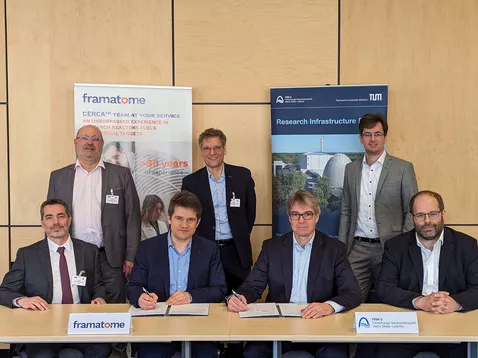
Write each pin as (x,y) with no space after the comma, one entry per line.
(121,222)
(396,185)
(31,273)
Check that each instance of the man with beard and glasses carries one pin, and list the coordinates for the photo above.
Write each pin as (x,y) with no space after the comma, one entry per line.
(432,268)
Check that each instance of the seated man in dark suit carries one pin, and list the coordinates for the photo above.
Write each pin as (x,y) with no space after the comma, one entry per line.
(302,266)
(177,268)
(431,268)
(41,276)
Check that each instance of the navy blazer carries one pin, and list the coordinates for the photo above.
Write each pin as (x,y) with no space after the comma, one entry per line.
(241,219)
(206,280)
(330,275)
(401,276)
(31,273)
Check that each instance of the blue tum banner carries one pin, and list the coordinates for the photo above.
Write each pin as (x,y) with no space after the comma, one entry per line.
(314,136)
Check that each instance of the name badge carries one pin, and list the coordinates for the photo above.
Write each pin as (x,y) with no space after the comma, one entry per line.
(386,322)
(99,323)
(235,203)
(78,280)
(112,199)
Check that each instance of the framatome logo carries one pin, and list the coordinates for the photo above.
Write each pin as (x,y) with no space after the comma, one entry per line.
(113,99)
(96,325)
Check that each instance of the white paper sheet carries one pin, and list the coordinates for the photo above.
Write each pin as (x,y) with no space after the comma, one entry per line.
(260,310)
(160,310)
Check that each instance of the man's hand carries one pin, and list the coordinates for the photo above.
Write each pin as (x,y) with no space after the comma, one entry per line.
(33,303)
(98,301)
(179,298)
(147,302)
(237,305)
(443,303)
(127,267)
(317,310)
(425,303)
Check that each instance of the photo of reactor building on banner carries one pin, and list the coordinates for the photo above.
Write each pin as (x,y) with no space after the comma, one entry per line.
(315,163)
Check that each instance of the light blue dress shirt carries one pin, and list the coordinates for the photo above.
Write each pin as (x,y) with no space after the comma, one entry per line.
(178,267)
(300,274)
(218,193)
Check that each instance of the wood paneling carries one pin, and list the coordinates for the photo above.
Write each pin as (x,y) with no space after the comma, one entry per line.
(3,72)
(234,51)
(4,264)
(469,230)
(258,235)
(3,167)
(55,43)
(426,51)
(25,236)
(248,133)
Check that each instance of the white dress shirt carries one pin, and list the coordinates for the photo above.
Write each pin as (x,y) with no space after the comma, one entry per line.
(87,204)
(431,265)
(366,222)
(55,268)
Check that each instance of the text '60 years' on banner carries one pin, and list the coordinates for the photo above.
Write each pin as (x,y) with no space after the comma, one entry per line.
(314,136)
(145,128)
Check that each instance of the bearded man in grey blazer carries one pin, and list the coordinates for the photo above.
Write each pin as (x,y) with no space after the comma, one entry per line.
(105,208)
(375,201)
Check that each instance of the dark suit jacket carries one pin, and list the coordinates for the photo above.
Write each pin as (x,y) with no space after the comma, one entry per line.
(330,276)
(401,275)
(121,222)
(396,185)
(31,273)
(206,280)
(241,220)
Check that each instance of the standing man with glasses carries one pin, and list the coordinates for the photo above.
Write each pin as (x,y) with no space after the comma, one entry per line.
(376,193)
(105,208)
(432,268)
(302,266)
(228,199)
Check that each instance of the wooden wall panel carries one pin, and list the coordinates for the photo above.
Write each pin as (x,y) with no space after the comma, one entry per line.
(3,167)
(4,263)
(248,144)
(54,43)
(25,236)
(425,50)
(3,72)
(469,230)
(258,235)
(233,51)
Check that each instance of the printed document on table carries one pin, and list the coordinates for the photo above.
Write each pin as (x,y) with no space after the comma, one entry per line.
(159,310)
(260,310)
(291,309)
(191,309)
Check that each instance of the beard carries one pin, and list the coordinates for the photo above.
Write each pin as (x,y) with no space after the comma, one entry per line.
(430,234)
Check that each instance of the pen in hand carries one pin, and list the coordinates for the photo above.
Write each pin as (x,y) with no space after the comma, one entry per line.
(147,292)
(237,296)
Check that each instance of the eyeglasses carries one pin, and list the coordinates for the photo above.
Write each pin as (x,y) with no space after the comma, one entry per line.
(432,215)
(86,138)
(369,135)
(189,221)
(216,149)
(306,216)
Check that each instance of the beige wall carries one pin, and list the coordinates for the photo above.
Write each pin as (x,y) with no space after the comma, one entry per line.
(233,52)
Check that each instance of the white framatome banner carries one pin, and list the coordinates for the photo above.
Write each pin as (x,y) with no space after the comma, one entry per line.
(145,128)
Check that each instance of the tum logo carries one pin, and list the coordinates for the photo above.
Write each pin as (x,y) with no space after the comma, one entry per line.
(375,96)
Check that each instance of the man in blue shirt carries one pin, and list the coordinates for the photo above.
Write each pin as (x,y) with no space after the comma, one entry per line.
(177,268)
(302,266)
(228,198)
